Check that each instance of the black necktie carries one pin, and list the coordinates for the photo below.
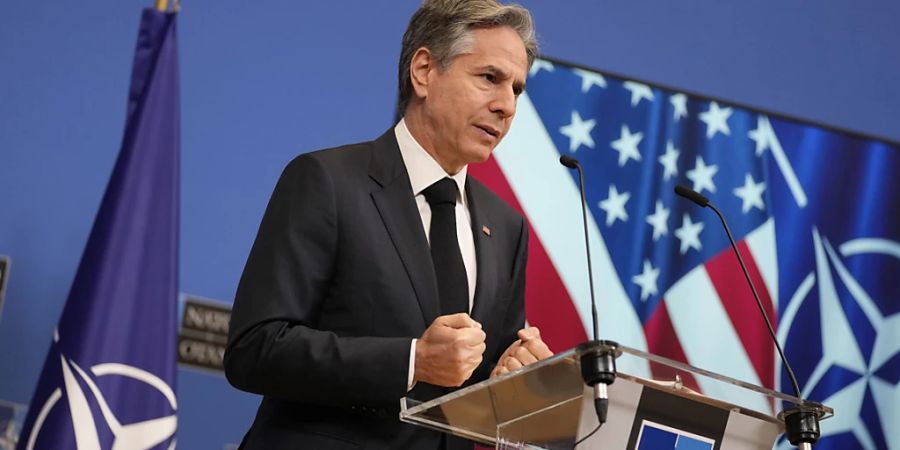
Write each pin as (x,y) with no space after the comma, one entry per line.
(453,285)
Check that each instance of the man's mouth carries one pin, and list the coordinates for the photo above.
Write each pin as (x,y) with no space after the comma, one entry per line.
(489,130)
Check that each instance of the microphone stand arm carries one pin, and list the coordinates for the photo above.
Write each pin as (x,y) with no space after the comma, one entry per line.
(801,422)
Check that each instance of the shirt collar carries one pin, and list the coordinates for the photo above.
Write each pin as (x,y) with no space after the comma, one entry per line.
(422,169)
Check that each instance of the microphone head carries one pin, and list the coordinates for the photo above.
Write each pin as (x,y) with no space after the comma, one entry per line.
(691,195)
(569,161)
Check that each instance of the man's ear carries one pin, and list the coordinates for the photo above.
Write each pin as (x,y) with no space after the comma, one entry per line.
(420,70)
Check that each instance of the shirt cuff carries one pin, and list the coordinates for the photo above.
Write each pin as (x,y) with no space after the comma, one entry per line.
(410,382)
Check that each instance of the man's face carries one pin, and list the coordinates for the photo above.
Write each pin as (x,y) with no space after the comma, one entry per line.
(470,104)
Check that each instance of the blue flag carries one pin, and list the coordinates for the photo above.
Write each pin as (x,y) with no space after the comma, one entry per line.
(815,213)
(109,377)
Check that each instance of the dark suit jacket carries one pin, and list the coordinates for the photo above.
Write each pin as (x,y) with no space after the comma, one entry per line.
(338,282)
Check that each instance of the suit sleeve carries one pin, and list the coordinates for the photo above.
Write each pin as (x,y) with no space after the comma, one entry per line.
(274,348)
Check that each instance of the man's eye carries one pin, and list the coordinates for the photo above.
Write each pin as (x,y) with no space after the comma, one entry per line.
(490,77)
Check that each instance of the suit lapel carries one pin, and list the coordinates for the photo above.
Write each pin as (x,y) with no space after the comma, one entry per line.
(397,207)
(485,254)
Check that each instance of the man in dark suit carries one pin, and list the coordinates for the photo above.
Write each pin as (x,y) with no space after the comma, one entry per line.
(380,269)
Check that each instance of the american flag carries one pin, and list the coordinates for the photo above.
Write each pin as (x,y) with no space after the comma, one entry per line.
(815,212)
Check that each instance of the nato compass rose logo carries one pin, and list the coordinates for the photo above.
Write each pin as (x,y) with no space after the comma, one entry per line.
(857,374)
(133,436)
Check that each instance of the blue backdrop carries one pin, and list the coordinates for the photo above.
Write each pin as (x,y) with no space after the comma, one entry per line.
(263,81)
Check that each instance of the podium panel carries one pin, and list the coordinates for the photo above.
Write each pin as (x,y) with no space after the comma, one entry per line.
(546,405)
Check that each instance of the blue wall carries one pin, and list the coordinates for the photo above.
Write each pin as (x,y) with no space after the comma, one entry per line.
(263,81)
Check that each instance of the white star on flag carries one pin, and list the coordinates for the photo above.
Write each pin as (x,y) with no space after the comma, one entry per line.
(716,120)
(590,79)
(751,194)
(689,234)
(579,132)
(679,103)
(647,280)
(702,176)
(659,220)
(627,145)
(760,135)
(669,160)
(638,92)
(539,64)
(614,205)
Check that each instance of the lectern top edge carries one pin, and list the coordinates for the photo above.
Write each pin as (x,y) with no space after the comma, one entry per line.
(571,356)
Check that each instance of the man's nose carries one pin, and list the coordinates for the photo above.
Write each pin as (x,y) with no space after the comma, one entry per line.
(504,103)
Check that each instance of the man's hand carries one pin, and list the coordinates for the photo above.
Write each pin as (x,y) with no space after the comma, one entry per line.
(528,349)
(449,350)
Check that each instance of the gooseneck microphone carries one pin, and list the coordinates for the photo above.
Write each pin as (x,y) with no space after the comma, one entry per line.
(598,358)
(801,423)
(703,202)
(573,163)
(697,198)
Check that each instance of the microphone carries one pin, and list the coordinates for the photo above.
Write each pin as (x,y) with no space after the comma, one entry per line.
(569,162)
(691,195)
(598,358)
(802,423)
(573,163)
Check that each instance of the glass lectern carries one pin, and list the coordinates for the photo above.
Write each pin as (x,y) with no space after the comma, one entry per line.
(653,401)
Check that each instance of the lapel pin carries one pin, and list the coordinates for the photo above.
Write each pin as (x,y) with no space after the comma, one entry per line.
(485,230)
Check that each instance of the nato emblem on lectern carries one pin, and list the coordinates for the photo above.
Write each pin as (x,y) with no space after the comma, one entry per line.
(655,436)
(91,415)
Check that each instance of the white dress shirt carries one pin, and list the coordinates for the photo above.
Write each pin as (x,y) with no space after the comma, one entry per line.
(424,171)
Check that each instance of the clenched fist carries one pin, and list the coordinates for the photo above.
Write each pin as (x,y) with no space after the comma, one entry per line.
(528,349)
(449,350)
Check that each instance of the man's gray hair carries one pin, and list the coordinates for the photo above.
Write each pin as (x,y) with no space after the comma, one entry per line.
(444,28)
